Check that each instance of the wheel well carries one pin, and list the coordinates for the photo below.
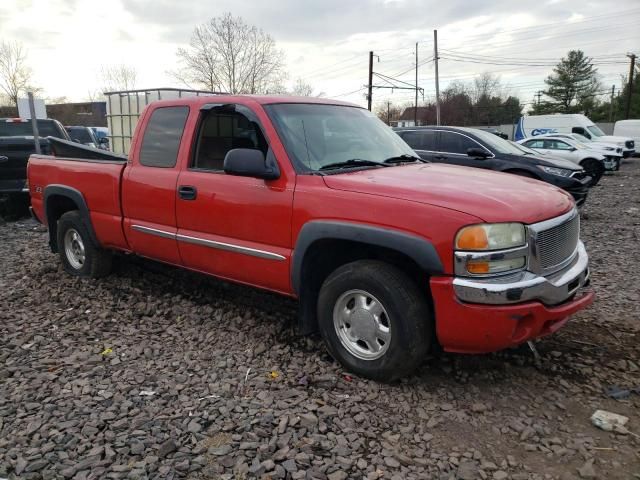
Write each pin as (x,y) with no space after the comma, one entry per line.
(587,160)
(57,205)
(324,256)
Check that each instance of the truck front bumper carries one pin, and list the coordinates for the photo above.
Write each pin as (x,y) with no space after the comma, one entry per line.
(486,315)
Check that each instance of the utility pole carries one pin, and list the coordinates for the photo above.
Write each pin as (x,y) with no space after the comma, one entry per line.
(415,107)
(613,92)
(632,56)
(34,122)
(538,94)
(370,84)
(435,59)
(388,112)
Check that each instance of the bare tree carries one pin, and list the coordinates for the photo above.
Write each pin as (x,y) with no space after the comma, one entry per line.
(301,88)
(486,85)
(15,74)
(118,78)
(226,54)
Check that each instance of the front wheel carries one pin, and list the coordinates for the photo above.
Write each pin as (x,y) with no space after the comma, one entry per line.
(79,254)
(593,168)
(374,320)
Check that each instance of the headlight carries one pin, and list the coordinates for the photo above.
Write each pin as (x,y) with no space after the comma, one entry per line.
(560,172)
(490,236)
(504,244)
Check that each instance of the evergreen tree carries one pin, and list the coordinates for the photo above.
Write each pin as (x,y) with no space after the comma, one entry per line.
(572,85)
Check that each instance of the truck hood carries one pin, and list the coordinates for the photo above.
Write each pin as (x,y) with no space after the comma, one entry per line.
(618,141)
(490,196)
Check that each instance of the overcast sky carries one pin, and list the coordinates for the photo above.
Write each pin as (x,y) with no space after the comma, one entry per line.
(327,42)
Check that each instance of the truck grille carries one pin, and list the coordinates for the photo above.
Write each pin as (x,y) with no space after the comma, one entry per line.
(558,243)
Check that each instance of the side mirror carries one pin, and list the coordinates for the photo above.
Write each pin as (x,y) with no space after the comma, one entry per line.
(477,152)
(103,140)
(248,162)
(573,149)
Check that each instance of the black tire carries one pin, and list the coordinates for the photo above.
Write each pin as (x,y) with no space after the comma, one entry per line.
(594,169)
(96,263)
(407,314)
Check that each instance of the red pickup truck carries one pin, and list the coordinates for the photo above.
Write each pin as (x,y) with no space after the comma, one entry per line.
(318,200)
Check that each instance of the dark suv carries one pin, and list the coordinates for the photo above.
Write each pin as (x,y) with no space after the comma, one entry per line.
(471,147)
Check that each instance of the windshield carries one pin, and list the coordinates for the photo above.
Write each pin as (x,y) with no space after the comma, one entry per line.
(596,131)
(46,128)
(80,134)
(317,135)
(495,143)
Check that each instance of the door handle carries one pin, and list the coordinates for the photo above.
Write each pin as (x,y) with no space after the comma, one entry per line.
(187,192)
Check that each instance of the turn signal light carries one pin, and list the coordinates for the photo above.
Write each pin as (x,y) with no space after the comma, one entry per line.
(472,238)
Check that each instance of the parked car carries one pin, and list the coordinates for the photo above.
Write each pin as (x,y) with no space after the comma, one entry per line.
(471,147)
(102,134)
(84,135)
(592,161)
(534,125)
(628,128)
(612,153)
(387,254)
(16,144)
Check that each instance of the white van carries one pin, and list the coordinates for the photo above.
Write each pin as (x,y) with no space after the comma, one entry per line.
(628,128)
(533,125)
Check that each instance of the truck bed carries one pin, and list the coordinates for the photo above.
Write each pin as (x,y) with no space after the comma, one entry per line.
(98,180)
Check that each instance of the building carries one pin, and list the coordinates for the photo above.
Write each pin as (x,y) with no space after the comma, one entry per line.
(88,114)
(426,116)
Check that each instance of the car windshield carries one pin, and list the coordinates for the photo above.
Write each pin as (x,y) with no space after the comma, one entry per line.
(596,131)
(495,143)
(46,128)
(80,134)
(319,135)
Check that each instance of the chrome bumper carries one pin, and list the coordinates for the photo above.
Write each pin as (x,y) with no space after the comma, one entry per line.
(526,286)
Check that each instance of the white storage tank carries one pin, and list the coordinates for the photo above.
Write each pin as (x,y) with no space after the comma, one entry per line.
(124,109)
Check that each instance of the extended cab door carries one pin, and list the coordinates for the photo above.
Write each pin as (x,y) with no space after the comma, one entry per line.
(230,226)
(149,184)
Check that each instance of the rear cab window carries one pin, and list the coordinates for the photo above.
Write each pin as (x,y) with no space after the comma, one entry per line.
(23,128)
(162,136)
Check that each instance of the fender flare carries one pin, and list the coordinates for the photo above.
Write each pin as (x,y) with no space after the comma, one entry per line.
(76,197)
(417,248)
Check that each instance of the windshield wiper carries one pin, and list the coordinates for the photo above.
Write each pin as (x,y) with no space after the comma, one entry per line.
(404,158)
(354,162)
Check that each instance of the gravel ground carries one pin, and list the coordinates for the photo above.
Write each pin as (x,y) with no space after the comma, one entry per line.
(158,373)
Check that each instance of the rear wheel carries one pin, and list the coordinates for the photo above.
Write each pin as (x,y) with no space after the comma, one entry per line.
(374,320)
(593,168)
(79,254)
